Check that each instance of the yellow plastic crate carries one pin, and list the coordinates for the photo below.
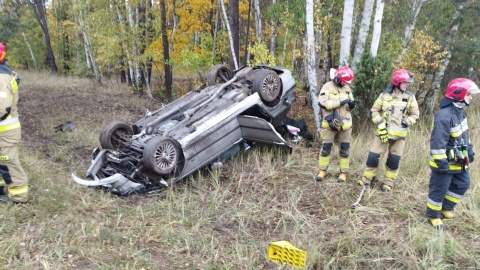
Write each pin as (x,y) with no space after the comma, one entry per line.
(286,253)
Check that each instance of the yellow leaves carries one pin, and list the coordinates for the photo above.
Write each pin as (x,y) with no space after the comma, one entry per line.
(261,55)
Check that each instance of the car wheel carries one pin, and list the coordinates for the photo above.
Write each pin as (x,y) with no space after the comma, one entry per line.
(219,74)
(268,85)
(115,135)
(161,155)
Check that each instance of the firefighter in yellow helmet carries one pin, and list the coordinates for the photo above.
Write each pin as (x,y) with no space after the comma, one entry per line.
(394,111)
(13,181)
(451,152)
(336,101)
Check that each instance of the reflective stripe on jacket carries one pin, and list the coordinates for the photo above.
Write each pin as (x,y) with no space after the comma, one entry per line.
(450,129)
(330,97)
(393,108)
(8,99)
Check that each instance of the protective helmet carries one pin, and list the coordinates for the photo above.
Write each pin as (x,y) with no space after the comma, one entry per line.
(3,53)
(401,75)
(343,74)
(458,88)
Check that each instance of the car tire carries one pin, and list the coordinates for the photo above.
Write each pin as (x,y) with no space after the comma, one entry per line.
(268,85)
(115,135)
(161,155)
(219,74)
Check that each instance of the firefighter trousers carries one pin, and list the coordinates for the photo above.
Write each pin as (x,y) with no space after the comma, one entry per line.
(378,149)
(329,137)
(445,191)
(12,174)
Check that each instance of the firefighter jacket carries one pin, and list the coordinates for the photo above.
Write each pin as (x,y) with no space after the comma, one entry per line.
(393,108)
(329,100)
(9,122)
(449,136)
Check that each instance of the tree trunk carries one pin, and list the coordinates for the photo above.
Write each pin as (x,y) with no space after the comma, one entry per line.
(166,52)
(247,36)
(432,94)
(130,77)
(377,28)
(222,4)
(363,31)
(258,21)
(30,50)
(345,39)
(416,5)
(234,25)
(42,19)
(273,40)
(312,66)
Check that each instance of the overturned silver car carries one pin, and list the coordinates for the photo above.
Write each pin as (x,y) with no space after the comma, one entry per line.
(204,127)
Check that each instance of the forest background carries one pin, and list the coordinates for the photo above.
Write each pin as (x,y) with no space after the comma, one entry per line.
(96,61)
(144,43)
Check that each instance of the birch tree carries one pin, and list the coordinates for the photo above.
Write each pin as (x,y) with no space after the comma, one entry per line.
(311,65)
(450,38)
(346,37)
(258,21)
(377,27)
(363,31)
(416,5)
(225,17)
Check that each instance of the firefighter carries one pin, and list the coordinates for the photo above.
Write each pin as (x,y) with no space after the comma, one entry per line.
(14,182)
(394,111)
(451,152)
(336,100)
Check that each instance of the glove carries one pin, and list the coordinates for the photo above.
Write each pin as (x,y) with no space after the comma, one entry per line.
(351,104)
(471,158)
(382,132)
(404,124)
(345,101)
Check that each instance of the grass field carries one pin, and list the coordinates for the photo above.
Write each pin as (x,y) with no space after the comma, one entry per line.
(219,219)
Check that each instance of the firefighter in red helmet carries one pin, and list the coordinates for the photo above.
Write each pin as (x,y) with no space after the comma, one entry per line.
(336,100)
(13,180)
(451,152)
(393,112)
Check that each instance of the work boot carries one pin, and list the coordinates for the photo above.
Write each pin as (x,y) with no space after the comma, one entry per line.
(437,224)
(363,182)
(321,175)
(447,214)
(342,178)
(386,188)
(4,198)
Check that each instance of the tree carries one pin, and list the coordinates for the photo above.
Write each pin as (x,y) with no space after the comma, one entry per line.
(41,15)
(377,28)
(431,97)
(346,32)
(363,31)
(235,28)
(166,52)
(311,66)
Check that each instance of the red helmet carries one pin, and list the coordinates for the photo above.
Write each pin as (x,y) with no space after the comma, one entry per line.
(3,53)
(401,75)
(458,88)
(343,74)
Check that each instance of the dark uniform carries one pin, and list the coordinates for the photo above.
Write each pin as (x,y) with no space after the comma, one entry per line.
(449,179)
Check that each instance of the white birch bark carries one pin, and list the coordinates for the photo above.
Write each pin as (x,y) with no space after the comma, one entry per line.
(273,36)
(284,53)
(311,65)
(229,33)
(416,5)
(133,29)
(377,27)
(30,50)
(258,21)
(346,37)
(363,31)
(127,53)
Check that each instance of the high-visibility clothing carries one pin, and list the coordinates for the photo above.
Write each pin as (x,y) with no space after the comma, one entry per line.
(11,170)
(390,109)
(450,176)
(330,97)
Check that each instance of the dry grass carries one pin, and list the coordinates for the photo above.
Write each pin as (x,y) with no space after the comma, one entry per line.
(217,219)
